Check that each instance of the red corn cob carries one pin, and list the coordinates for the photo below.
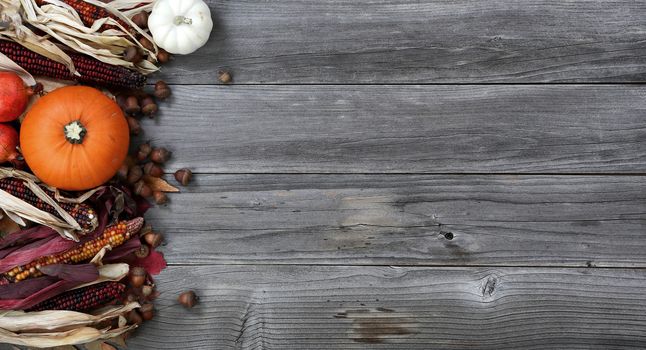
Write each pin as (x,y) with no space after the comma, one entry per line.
(82,213)
(83,299)
(92,70)
(89,13)
(113,235)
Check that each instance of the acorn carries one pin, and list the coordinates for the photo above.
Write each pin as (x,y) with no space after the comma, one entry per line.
(143,151)
(143,251)
(153,170)
(133,125)
(121,100)
(154,239)
(160,155)
(147,44)
(137,276)
(147,311)
(183,176)
(224,77)
(148,106)
(142,189)
(160,197)
(163,56)
(134,317)
(162,91)
(134,174)
(188,299)
(132,105)
(141,19)
(133,54)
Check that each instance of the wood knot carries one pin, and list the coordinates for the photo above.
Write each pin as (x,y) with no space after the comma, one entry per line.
(489,286)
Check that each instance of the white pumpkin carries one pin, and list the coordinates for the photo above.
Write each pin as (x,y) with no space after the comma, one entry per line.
(180,26)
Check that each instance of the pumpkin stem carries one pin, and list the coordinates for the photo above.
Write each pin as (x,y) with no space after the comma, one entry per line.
(75,132)
(182,20)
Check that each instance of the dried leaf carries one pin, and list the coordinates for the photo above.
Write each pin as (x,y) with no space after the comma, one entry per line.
(120,341)
(159,184)
(82,273)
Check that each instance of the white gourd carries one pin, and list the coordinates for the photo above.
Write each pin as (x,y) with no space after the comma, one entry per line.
(180,26)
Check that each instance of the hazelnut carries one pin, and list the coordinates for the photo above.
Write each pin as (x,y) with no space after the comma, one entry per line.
(148,106)
(224,77)
(132,105)
(141,19)
(147,311)
(141,189)
(188,299)
(154,239)
(133,125)
(134,174)
(163,56)
(133,54)
(147,44)
(160,155)
(137,277)
(153,170)
(143,151)
(183,176)
(143,251)
(162,91)
(160,197)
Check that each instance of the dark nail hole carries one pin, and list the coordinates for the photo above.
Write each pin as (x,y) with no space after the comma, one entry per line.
(448,235)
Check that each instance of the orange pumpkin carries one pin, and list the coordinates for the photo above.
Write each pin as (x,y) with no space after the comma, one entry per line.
(74,138)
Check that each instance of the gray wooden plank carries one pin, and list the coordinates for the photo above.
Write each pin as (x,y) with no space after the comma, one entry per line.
(429,41)
(402,129)
(405,219)
(317,307)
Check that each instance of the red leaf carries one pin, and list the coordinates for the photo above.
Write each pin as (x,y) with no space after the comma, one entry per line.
(154,263)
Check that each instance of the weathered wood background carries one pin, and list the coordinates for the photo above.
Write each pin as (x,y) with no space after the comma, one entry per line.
(403,174)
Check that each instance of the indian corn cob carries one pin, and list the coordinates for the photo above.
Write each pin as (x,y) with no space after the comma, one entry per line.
(83,299)
(92,71)
(89,13)
(82,213)
(113,235)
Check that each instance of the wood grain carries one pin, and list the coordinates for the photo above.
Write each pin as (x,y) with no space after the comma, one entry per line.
(404,129)
(337,307)
(429,41)
(407,219)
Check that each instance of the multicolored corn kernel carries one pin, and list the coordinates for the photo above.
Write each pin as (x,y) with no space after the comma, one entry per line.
(82,213)
(113,236)
(92,71)
(83,299)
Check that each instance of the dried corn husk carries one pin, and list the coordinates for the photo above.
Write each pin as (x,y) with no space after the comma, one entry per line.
(76,336)
(13,28)
(18,209)
(56,320)
(61,22)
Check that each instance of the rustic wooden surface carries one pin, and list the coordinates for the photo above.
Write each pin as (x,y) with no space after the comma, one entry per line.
(363,185)
(358,187)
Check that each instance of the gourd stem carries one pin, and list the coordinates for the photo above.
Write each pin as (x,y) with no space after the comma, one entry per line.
(74,132)
(182,20)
